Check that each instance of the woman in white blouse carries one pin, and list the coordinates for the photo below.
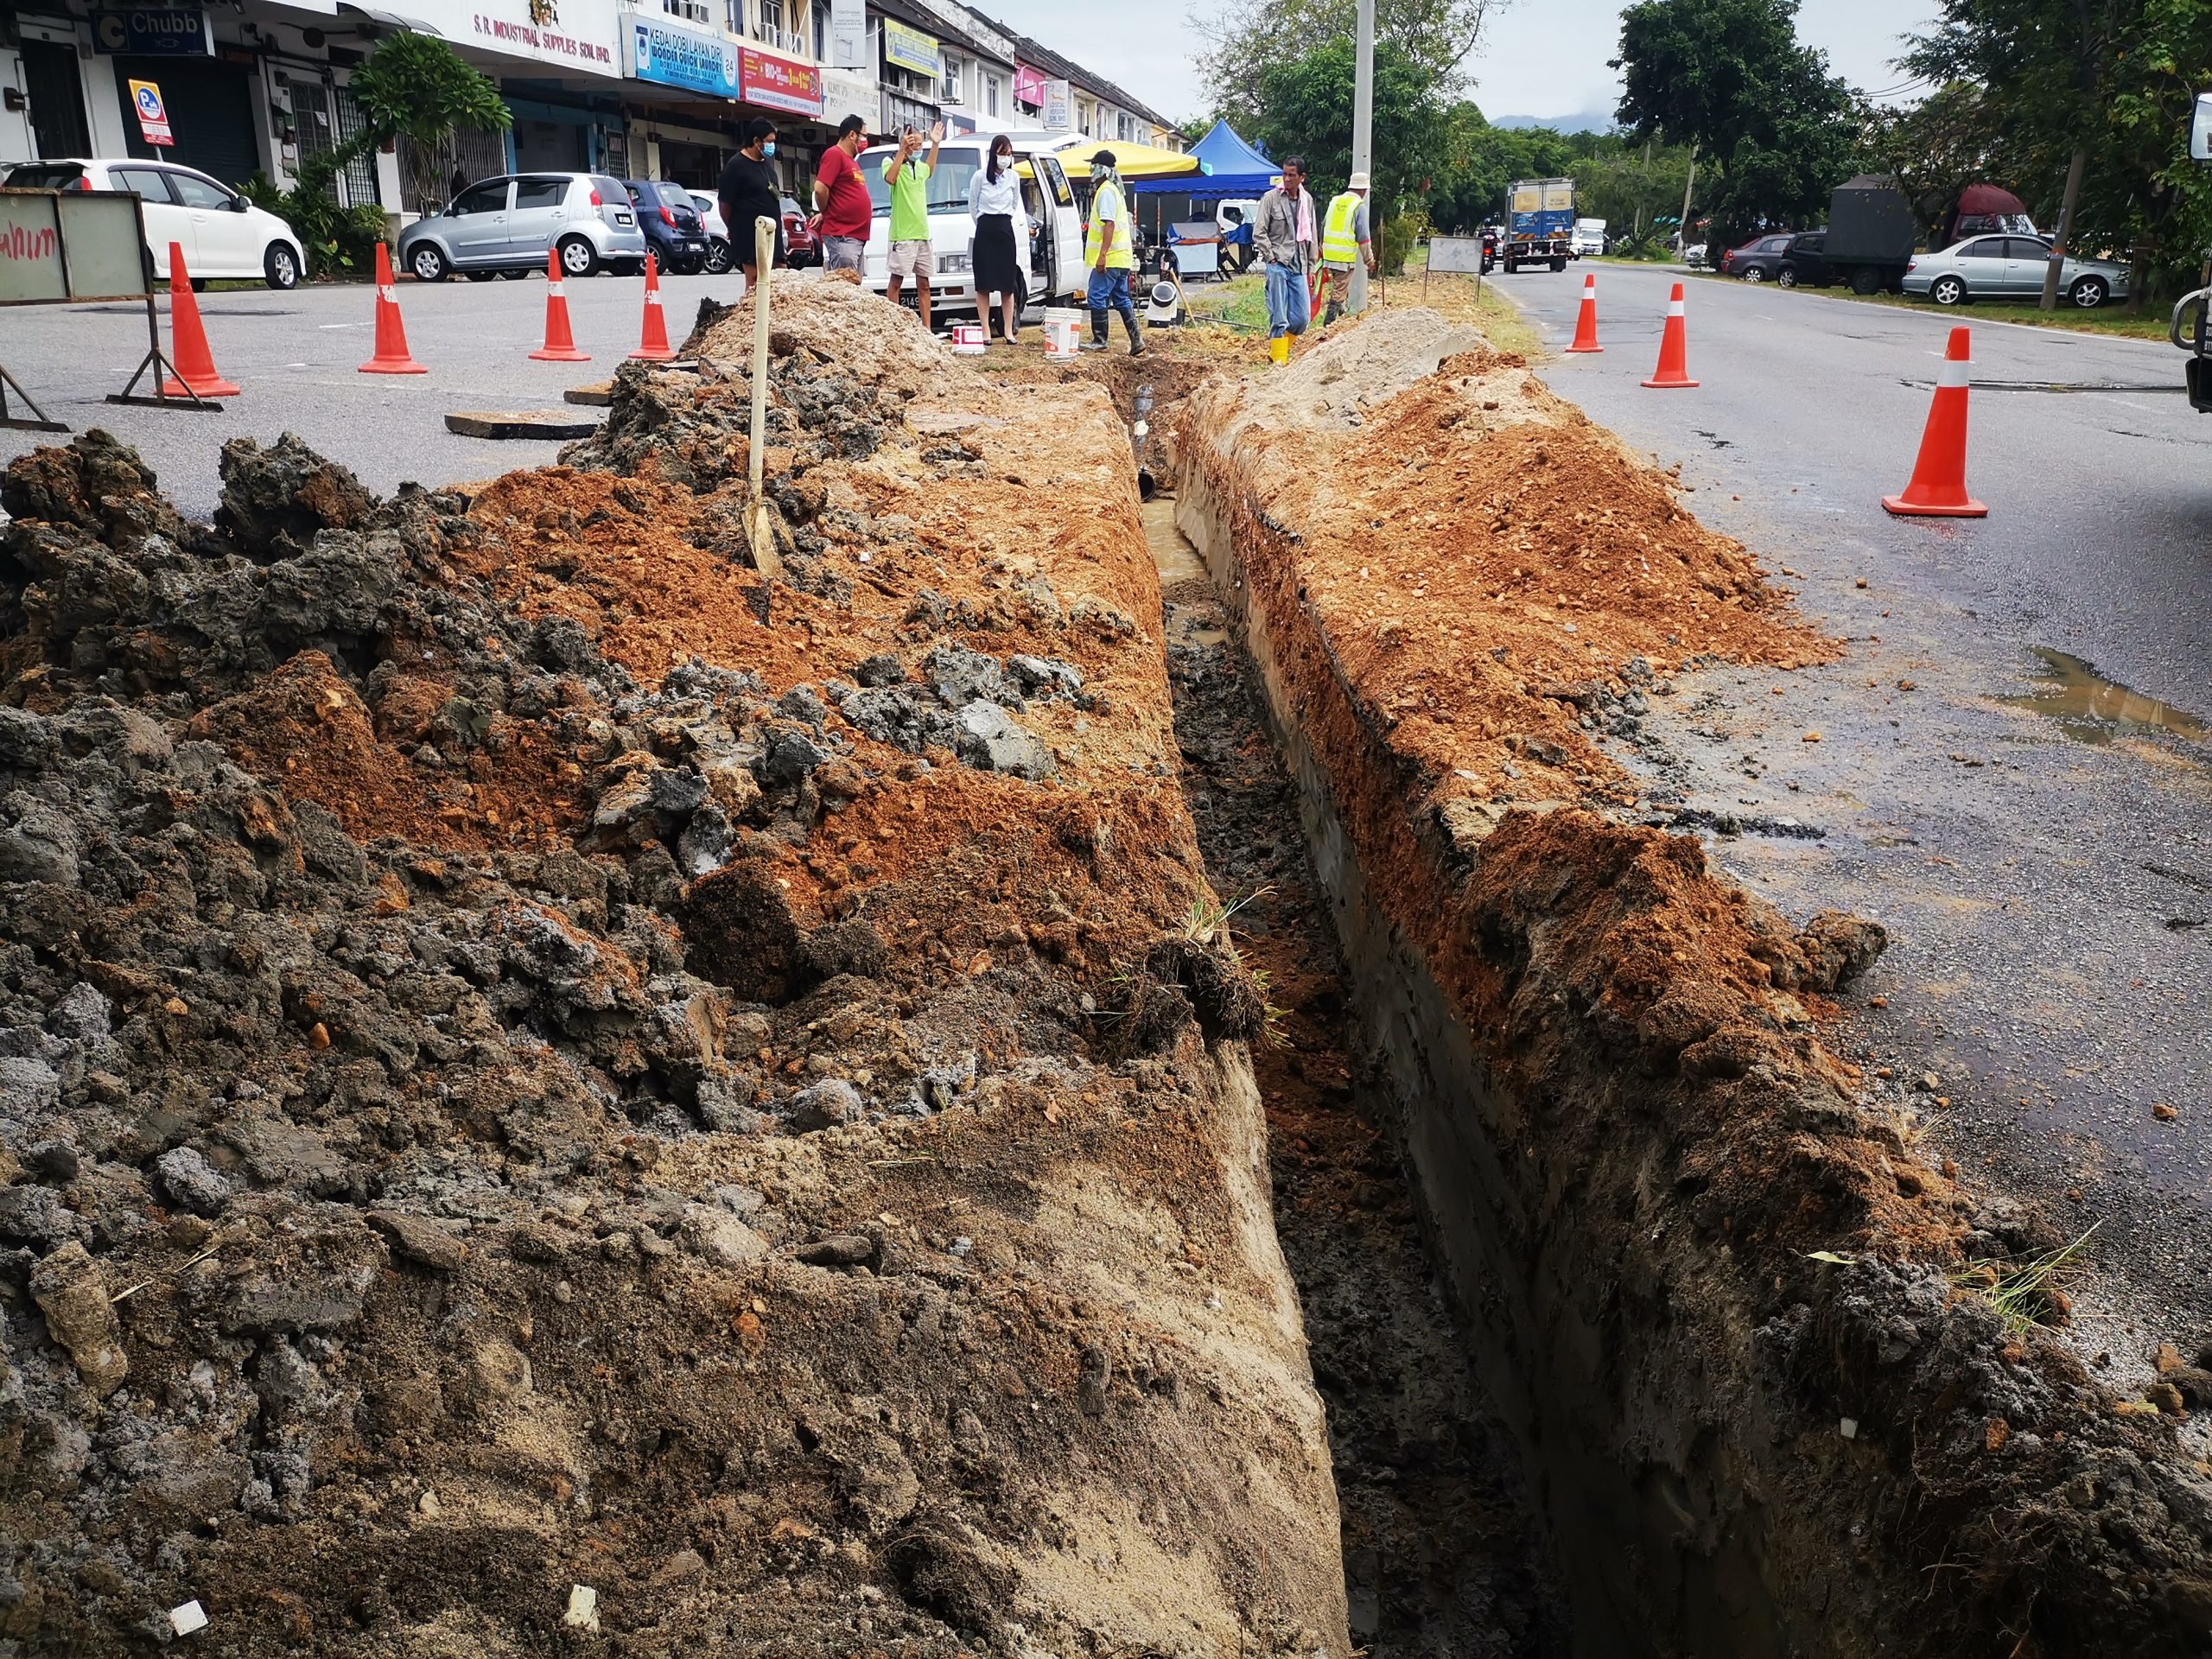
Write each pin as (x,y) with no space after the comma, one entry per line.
(1001,235)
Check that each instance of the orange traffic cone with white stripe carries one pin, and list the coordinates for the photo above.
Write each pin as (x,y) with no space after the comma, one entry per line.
(391,356)
(1585,320)
(653,348)
(560,344)
(1938,489)
(1674,369)
(195,375)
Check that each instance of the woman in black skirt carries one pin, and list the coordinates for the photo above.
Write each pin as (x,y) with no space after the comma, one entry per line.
(1001,235)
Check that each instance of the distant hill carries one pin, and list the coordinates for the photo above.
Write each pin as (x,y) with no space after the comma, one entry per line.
(1596,120)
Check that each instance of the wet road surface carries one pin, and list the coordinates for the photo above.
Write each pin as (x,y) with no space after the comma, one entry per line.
(2013,762)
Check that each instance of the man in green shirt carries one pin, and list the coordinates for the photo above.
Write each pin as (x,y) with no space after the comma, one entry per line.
(911,252)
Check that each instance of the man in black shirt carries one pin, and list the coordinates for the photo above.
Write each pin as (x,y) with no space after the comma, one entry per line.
(750,189)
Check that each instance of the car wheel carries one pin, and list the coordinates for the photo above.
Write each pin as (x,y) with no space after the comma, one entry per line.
(578,256)
(1868,282)
(280,266)
(1786,277)
(1558,264)
(1511,266)
(1948,290)
(719,257)
(200,284)
(2088,292)
(1754,274)
(429,262)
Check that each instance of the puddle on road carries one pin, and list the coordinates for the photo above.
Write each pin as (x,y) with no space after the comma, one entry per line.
(2091,708)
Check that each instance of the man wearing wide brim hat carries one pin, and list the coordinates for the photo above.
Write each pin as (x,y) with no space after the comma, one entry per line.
(1109,248)
(1345,237)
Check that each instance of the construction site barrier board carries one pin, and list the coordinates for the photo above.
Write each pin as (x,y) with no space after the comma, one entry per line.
(1459,254)
(74,247)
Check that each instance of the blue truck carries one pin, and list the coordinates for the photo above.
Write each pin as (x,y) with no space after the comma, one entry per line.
(1540,229)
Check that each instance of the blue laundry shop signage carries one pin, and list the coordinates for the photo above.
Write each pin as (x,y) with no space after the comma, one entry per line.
(689,58)
(156,32)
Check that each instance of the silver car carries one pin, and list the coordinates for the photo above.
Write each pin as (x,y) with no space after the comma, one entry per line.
(2010,268)
(510,224)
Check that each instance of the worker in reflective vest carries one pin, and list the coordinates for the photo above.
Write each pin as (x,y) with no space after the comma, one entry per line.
(1109,248)
(1344,237)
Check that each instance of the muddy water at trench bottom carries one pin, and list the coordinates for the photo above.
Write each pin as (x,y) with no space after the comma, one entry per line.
(1443,1556)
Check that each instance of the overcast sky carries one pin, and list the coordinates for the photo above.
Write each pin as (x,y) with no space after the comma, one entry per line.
(1540,57)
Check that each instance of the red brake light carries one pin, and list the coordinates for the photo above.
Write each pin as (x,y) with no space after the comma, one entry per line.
(667,217)
(595,201)
(83,183)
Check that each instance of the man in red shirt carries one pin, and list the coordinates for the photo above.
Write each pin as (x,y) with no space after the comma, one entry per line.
(844,211)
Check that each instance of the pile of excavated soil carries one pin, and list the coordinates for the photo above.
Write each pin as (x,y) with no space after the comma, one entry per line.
(556,1095)
(1767,1404)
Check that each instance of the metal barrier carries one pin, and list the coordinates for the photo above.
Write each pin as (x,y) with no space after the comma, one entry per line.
(76,247)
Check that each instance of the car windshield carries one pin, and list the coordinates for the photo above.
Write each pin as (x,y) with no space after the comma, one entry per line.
(948,188)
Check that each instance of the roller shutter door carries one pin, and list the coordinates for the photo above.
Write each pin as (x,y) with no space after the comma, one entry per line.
(211,112)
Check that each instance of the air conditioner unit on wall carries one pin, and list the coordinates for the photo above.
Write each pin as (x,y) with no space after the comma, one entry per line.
(695,11)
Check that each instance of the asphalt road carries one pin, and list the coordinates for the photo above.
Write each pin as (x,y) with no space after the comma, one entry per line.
(296,358)
(2047,880)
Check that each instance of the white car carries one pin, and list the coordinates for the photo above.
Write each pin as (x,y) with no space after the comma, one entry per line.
(222,233)
(719,259)
(1054,267)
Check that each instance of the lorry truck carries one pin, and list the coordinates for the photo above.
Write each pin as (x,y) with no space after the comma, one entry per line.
(1541,230)
(1871,233)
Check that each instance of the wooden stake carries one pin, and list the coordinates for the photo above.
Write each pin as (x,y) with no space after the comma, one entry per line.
(756,510)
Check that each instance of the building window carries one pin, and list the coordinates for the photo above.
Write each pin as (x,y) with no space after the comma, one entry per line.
(821,34)
(991,95)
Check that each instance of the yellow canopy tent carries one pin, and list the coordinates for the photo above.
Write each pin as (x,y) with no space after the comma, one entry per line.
(1130,161)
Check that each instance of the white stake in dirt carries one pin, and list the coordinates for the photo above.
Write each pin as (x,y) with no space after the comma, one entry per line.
(756,508)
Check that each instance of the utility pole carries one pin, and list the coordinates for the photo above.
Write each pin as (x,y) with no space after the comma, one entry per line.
(1363,142)
(1688,185)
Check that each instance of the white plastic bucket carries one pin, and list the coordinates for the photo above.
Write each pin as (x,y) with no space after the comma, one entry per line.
(969,340)
(1063,332)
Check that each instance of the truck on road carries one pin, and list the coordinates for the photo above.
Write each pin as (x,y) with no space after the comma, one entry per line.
(1541,230)
(1871,233)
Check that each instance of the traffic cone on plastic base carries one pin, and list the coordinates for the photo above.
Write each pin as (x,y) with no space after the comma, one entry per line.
(1674,369)
(653,348)
(1585,320)
(195,375)
(391,356)
(1938,489)
(560,343)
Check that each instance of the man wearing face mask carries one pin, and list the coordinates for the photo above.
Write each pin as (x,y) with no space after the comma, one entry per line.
(749,189)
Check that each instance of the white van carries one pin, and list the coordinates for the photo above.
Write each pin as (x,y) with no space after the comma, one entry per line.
(1055,269)
(1587,238)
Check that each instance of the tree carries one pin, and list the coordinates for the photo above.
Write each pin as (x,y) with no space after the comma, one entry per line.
(1730,78)
(1248,38)
(1305,105)
(417,87)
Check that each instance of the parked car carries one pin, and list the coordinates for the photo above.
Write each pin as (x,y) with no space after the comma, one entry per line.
(718,256)
(508,224)
(222,233)
(1693,256)
(1759,260)
(1804,263)
(671,222)
(1054,266)
(801,245)
(2010,267)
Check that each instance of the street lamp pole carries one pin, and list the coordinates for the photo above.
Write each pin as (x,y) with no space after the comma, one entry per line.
(1362,140)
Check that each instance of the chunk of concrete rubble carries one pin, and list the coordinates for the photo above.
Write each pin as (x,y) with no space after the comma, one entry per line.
(582,1613)
(192,1182)
(69,1289)
(714,1234)
(993,740)
(420,1241)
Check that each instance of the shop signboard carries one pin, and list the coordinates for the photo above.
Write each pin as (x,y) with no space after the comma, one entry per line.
(1028,85)
(568,35)
(848,34)
(778,83)
(154,32)
(909,48)
(687,58)
(153,118)
(1059,106)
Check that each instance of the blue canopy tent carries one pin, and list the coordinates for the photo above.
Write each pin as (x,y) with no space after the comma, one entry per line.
(1230,168)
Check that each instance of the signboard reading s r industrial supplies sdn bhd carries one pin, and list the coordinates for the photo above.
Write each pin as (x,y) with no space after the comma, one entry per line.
(153,118)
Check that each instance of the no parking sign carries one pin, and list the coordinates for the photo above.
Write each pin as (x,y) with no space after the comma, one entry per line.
(153,119)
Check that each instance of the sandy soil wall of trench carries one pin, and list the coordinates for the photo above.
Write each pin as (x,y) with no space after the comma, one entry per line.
(557,1096)
(1626,1135)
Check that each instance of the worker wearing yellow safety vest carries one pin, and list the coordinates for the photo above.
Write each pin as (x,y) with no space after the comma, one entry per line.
(1345,237)
(1109,248)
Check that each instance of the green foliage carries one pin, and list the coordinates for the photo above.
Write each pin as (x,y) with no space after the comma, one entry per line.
(339,241)
(1304,109)
(2114,79)
(417,87)
(1730,78)
(1399,232)
(1248,37)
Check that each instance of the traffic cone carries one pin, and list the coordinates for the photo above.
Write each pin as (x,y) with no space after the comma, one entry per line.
(1938,489)
(560,345)
(653,348)
(1586,321)
(195,375)
(391,356)
(1674,368)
